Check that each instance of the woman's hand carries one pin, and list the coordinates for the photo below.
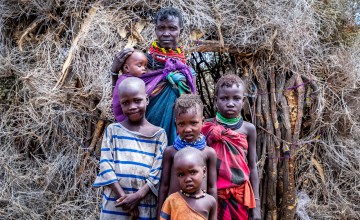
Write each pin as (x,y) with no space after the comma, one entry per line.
(119,59)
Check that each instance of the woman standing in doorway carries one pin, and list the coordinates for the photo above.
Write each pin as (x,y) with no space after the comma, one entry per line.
(163,86)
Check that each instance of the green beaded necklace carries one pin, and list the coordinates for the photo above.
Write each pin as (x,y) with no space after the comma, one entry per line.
(228,120)
(232,123)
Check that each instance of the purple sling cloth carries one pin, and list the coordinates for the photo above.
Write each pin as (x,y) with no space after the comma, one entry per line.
(151,80)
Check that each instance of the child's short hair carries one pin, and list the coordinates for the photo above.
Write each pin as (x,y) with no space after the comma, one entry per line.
(190,151)
(228,80)
(186,102)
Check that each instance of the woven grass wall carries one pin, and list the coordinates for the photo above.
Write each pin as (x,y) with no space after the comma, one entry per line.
(299,58)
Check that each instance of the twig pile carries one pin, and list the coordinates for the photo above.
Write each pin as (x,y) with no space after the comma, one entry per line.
(299,58)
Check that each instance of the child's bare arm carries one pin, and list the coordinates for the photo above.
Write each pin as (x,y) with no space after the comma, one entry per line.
(116,188)
(213,211)
(165,177)
(211,166)
(254,178)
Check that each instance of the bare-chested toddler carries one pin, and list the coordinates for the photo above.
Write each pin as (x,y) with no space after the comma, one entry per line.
(188,120)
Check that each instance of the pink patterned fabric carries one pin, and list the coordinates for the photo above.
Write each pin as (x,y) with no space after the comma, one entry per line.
(235,194)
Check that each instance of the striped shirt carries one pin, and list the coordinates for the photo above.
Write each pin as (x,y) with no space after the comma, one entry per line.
(133,160)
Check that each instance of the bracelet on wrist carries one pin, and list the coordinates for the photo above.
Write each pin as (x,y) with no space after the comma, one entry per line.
(113,74)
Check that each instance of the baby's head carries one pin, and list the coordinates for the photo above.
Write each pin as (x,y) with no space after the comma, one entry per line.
(188,117)
(133,98)
(190,169)
(135,64)
(229,95)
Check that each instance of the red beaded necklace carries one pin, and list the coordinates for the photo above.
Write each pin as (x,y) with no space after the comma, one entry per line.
(161,54)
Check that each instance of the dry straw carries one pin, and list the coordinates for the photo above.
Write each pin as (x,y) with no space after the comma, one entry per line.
(56,92)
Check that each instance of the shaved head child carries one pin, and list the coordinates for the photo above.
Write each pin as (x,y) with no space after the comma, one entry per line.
(131,157)
(190,202)
(188,121)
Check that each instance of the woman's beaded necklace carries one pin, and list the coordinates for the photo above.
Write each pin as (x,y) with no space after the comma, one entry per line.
(202,195)
(161,54)
(231,123)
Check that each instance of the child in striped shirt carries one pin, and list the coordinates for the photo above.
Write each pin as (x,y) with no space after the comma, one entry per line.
(131,157)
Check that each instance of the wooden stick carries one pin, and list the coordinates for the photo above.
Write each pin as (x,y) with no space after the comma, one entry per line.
(274,114)
(60,30)
(89,127)
(216,46)
(82,32)
(88,132)
(135,35)
(97,149)
(272,164)
(81,167)
(276,84)
(291,192)
(218,27)
(301,95)
(28,30)
(97,132)
(259,141)
(286,101)
(284,130)
(264,196)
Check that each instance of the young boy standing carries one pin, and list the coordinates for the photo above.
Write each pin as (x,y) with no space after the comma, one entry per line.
(191,202)
(189,120)
(131,157)
(234,141)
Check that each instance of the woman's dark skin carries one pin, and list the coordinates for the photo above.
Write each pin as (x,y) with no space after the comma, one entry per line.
(167,32)
(119,60)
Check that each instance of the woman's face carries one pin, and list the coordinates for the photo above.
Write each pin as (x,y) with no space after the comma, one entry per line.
(167,32)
